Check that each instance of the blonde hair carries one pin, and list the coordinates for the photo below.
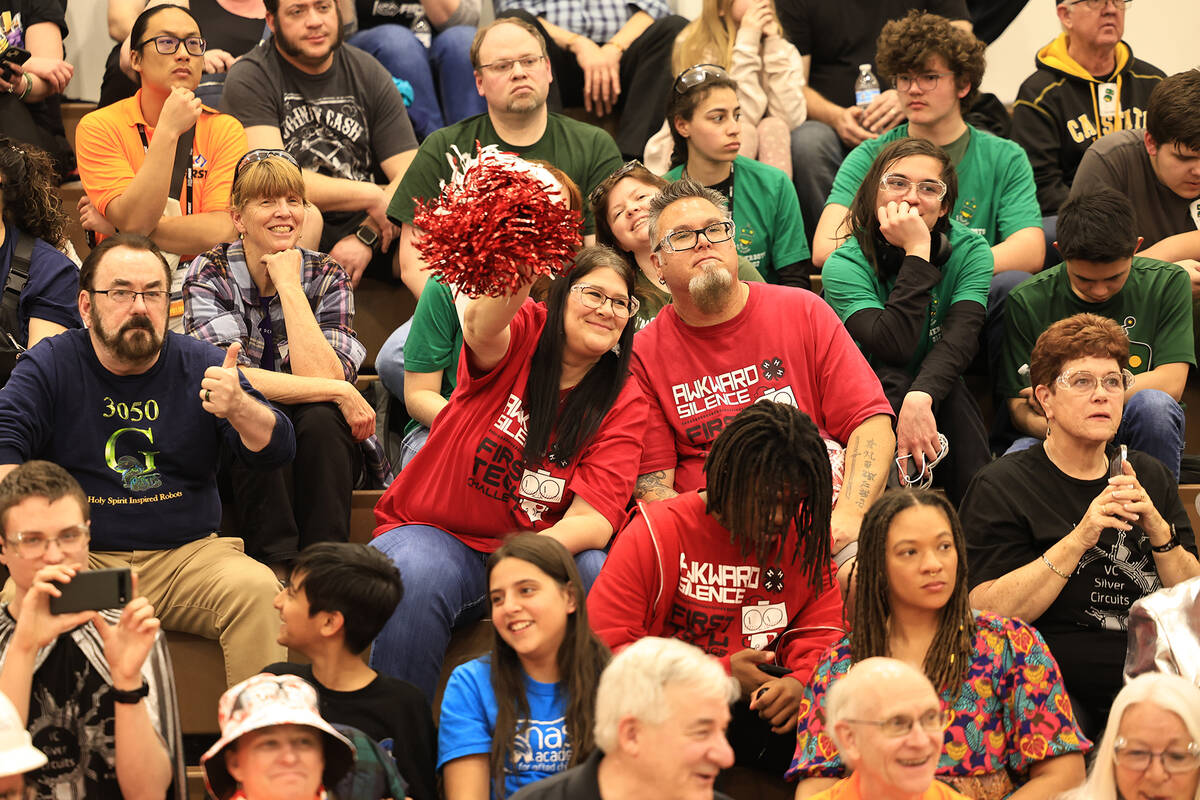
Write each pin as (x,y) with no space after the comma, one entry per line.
(708,39)
(270,177)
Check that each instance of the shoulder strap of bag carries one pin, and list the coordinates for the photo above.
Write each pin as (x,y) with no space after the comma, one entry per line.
(18,276)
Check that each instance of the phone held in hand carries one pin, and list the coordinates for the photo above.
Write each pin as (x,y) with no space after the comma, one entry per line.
(1116,466)
(94,590)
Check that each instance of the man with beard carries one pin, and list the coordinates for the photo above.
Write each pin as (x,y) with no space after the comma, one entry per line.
(722,345)
(338,112)
(139,417)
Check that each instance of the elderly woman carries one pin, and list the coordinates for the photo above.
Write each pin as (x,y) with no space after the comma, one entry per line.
(274,744)
(621,207)
(1151,745)
(1007,728)
(292,312)
(1067,534)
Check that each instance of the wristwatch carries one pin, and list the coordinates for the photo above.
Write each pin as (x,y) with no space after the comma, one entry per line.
(131,697)
(367,235)
(1170,544)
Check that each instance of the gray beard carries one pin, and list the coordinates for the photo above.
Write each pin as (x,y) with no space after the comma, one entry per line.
(710,289)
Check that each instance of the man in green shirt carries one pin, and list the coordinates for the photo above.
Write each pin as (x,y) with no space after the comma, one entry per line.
(1150,299)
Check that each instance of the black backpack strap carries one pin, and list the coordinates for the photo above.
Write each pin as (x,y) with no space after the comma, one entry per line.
(18,276)
(183,160)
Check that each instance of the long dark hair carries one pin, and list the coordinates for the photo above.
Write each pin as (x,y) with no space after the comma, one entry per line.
(581,659)
(864,217)
(31,203)
(772,454)
(586,404)
(684,104)
(950,652)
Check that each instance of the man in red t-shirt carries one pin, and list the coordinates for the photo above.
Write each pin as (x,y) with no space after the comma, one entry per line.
(723,344)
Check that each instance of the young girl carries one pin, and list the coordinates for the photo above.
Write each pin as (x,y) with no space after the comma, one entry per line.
(744,37)
(524,711)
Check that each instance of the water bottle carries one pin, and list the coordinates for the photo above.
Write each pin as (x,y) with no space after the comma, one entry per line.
(866,87)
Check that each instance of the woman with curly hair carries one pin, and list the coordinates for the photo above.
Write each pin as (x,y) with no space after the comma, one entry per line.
(1009,731)
(35,226)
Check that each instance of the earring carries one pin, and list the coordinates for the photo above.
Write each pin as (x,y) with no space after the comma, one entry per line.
(616,349)
(663,281)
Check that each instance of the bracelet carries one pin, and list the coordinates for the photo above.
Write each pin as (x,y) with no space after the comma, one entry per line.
(28,86)
(130,697)
(849,551)
(1171,544)
(1055,569)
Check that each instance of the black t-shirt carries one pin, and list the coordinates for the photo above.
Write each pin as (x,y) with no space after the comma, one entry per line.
(1017,507)
(71,720)
(839,38)
(24,14)
(392,712)
(225,30)
(386,12)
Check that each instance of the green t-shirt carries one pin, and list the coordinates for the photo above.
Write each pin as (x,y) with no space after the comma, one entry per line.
(770,230)
(435,339)
(996,193)
(585,153)
(652,298)
(1154,307)
(852,285)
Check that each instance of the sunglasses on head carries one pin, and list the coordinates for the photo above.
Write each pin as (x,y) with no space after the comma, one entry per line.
(696,75)
(262,154)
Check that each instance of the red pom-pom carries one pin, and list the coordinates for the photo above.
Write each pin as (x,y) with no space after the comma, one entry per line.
(498,224)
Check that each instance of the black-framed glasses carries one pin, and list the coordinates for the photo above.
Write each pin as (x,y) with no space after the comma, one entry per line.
(700,73)
(33,544)
(897,184)
(262,154)
(168,45)
(926,81)
(681,239)
(1173,759)
(593,298)
(605,186)
(124,297)
(931,721)
(505,65)
(1098,5)
(1084,382)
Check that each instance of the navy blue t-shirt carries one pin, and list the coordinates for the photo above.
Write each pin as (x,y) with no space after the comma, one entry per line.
(142,447)
(52,292)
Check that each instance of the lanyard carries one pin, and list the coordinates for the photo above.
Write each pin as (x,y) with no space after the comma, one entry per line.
(141,129)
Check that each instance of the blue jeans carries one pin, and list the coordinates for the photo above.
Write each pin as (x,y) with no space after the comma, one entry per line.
(446,64)
(389,363)
(1152,423)
(445,585)
(817,152)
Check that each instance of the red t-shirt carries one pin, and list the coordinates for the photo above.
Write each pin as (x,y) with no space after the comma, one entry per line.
(786,345)
(470,479)
(675,572)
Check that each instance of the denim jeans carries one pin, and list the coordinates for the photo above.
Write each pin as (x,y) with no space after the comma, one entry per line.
(445,585)
(389,362)
(1152,423)
(443,71)
(817,152)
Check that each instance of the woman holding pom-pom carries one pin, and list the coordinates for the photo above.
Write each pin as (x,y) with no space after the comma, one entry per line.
(543,433)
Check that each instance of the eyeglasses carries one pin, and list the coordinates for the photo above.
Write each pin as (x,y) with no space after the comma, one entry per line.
(678,241)
(124,297)
(897,184)
(262,154)
(505,65)
(1098,5)
(926,83)
(700,73)
(33,544)
(1139,759)
(605,186)
(932,721)
(593,298)
(168,45)
(1081,382)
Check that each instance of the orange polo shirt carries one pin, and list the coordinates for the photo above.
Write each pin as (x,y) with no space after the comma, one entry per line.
(110,152)
(849,789)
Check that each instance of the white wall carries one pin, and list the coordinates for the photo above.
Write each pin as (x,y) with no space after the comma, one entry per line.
(1163,32)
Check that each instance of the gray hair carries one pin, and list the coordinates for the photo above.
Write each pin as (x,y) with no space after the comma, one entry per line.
(634,682)
(681,190)
(844,696)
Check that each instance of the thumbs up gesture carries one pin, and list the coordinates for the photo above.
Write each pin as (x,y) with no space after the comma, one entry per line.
(221,389)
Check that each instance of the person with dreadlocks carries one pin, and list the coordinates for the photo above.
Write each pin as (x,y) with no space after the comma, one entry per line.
(1009,730)
(741,569)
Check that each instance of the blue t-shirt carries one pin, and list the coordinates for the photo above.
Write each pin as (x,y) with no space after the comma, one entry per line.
(52,292)
(468,722)
(142,446)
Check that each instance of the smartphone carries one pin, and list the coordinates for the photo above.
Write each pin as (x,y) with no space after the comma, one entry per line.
(14,54)
(774,670)
(94,590)
(1117,465)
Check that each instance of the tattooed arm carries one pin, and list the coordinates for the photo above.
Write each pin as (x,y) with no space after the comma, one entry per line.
(658,485)
(870,447)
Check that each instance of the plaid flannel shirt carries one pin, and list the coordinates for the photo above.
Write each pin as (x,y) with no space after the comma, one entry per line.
(598,20)
(222,305)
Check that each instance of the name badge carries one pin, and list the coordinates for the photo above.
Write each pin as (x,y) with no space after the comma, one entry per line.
(1106,99)
(1194,209)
